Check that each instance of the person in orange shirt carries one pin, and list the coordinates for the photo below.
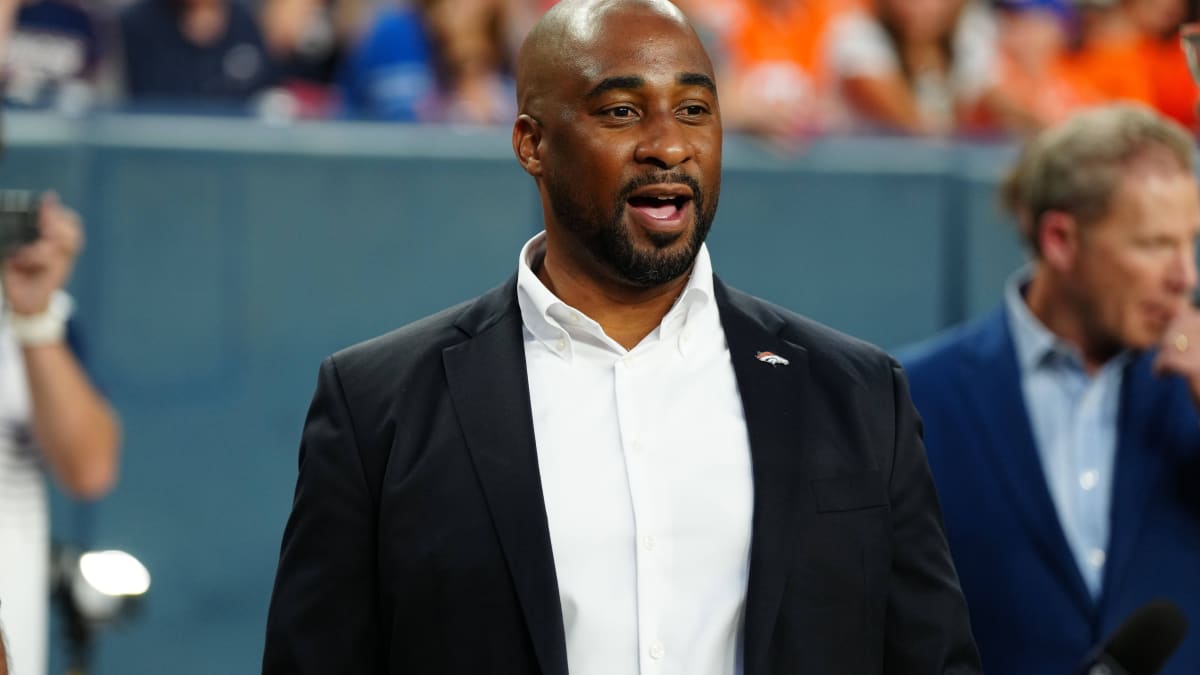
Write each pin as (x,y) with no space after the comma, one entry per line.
(1130,51)
(775,66)
(1173,90)
(1035,77)
(1108,56)
(913,66)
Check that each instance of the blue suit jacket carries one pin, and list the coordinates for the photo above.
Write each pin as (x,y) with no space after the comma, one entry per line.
(1030,610)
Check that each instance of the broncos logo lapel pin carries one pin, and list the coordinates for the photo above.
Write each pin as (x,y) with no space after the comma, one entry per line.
(772,359)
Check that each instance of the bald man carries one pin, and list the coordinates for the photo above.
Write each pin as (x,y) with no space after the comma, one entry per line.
(614,464)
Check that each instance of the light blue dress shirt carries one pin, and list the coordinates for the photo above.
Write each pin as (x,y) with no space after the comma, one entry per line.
(1073,416)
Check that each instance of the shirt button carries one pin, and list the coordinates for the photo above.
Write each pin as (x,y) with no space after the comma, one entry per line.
(1088,479)
(636,445)
(629,360)
(657,651)
(649,542)
(561,345)
(1095,558)
(573,317)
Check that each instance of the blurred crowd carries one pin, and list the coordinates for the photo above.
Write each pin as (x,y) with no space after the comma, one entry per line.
(788,69)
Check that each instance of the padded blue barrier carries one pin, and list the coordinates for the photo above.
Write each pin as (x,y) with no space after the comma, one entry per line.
(225,258)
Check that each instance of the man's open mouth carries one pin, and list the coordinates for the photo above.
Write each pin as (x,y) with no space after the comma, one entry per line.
(661,202)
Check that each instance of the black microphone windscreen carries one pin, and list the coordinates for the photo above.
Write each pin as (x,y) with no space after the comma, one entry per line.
(1144,642)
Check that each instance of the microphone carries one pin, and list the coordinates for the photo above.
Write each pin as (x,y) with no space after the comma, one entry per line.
(1142,644)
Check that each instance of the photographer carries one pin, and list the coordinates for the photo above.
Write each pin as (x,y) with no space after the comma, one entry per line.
(51,418)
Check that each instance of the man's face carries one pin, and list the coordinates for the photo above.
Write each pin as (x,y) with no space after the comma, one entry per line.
(1135,269)
(631,151)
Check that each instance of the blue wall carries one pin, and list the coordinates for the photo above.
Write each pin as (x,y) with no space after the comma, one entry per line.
(226,258)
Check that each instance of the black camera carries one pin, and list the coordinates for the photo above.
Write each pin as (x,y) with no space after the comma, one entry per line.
(19,211)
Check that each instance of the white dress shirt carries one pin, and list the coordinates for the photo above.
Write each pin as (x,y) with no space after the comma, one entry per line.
(645,468)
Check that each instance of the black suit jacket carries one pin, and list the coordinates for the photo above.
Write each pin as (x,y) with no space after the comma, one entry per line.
(418,540)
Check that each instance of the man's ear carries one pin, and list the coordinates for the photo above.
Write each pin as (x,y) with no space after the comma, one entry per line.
(527,144)
(1058,239)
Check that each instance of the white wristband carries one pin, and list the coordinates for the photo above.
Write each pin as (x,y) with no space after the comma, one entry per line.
(48,327)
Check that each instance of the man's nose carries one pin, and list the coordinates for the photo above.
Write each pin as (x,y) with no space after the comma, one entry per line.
(1183,276)
(664,141)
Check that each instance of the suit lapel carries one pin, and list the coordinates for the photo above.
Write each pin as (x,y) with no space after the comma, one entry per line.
(488,382)
(773,398)
(991,380)
(1139,452)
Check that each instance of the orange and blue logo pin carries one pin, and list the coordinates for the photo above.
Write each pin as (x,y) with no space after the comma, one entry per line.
(771,358)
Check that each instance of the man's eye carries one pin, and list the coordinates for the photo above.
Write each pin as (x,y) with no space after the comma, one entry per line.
(621,111)
(694,110)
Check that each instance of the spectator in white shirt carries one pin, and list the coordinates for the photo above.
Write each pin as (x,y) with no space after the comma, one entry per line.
(916,66)
(51,420)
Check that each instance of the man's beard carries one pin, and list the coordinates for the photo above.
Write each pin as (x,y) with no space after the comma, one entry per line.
(608,239)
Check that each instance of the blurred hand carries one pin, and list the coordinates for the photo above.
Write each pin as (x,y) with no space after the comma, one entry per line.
(1179,352)
(34,272)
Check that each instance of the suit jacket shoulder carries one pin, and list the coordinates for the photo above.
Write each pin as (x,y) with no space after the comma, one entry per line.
(984,334)
(398,375)
(376,360)
(384,368)
(983,343)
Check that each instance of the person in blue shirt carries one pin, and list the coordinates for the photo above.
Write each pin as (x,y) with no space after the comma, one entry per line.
(433,61)
(391,75)
(1062,427)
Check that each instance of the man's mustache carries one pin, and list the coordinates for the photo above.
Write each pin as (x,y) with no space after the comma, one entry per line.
(661,178)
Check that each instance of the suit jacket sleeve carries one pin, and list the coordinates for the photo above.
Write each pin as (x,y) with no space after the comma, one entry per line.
(323,613)
(928,630)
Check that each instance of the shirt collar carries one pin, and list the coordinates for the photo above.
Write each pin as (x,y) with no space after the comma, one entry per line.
(1033,341)
(559,326)
(1037,345)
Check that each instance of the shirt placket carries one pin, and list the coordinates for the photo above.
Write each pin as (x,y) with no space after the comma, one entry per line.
(1087,474)
(649,533)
